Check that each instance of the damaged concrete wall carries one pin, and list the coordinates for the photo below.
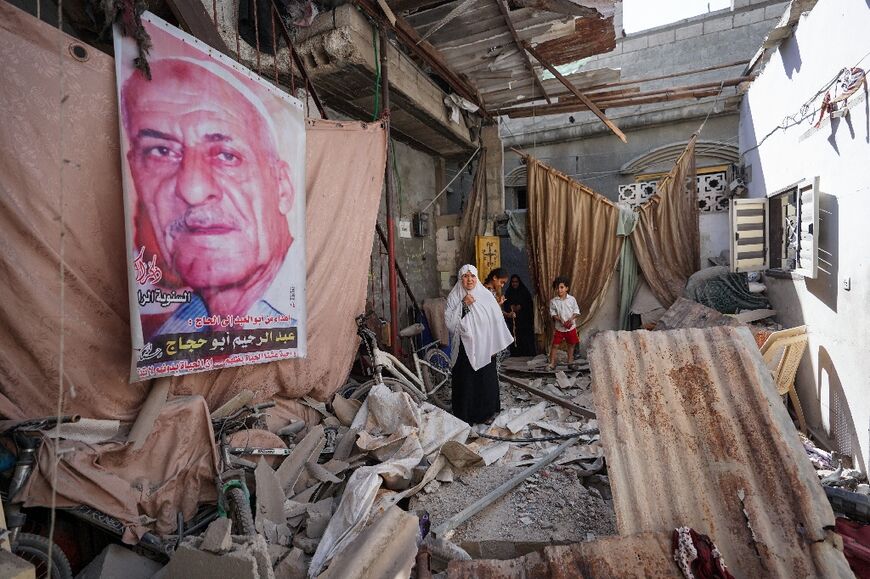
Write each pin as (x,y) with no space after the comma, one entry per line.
(832,378)
(415,178)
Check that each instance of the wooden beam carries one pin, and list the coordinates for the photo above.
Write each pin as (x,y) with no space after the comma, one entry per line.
(519,42)
(575,107)
(408,36)
(610,124)
(611,85)
(195,18)
(605,98)
(563,402)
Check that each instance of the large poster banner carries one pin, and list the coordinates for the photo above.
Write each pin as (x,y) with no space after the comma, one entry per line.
(213,163)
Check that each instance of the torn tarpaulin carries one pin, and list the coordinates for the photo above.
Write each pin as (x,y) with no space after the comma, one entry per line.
(398,432)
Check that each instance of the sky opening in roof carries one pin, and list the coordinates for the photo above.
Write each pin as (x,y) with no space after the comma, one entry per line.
(638,15)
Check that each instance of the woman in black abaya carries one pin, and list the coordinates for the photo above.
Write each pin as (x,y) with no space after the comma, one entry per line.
(519,301)
(477,334)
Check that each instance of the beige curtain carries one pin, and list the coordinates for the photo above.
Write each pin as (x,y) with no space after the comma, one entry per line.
(572,232)
(666,239)
(344,175)
(473,221)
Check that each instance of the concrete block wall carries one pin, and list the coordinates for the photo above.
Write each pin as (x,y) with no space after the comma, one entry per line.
(719,37)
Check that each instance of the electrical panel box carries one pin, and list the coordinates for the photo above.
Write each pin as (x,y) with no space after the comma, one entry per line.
(405,228)
(421,225)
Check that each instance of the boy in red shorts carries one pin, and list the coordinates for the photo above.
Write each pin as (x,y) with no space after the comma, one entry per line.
(564,311)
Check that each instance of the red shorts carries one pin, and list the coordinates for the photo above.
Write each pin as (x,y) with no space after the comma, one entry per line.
(570,337)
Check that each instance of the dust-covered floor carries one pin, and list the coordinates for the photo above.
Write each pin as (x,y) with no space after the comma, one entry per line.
(552,505)
(555,504)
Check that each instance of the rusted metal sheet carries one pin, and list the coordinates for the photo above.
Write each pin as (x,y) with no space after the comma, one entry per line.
(695,434)
(688,314)
(591,36)
(646,555)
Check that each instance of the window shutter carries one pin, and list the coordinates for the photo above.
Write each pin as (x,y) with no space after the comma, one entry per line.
(808,238)
(749,244)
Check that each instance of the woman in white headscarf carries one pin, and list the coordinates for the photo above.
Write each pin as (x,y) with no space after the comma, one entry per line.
(477,333)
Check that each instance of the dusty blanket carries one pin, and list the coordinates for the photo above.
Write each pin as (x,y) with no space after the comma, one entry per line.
(144,489)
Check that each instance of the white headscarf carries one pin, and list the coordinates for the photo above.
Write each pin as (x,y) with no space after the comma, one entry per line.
(482,331)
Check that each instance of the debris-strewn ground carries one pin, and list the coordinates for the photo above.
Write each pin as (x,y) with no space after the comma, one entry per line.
(551,505)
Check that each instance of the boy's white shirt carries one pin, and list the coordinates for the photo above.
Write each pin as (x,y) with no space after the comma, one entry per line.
(565,310)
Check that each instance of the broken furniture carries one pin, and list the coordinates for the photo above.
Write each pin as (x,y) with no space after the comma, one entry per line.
(782,352)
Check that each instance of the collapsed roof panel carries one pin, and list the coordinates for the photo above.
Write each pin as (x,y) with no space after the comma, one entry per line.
(475,39)
(695,434)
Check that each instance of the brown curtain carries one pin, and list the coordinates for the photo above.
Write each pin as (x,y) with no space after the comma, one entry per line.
(572,232)
(666,239)
(473,221)
(344,175)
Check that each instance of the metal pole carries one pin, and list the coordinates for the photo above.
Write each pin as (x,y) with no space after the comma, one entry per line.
(395,345)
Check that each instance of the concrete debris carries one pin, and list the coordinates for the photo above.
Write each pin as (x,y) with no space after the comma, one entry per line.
(386,548)
(218,537)
(113,561)
(329,509)
(14,567)
(345,410)
(247,559)
(293,566)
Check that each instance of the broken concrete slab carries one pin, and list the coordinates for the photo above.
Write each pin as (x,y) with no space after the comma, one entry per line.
(564,382)
(293,566)
(270,500)
(318,518)
(318,472)
(115,561)
(248,559)
(532,414)
(293,466)
(386,548)
(218,536)
(345,410)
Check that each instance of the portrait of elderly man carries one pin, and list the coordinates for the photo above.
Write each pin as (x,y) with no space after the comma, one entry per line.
(213,195)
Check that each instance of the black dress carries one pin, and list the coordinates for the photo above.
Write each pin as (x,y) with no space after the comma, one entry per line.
(525,320)
(476,394)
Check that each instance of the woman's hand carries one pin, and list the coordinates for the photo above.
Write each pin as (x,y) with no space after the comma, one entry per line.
(468,299)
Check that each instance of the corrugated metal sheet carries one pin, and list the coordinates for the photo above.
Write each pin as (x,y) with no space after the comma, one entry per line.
(688,314)
(591,36)
(645,555)
(690,422)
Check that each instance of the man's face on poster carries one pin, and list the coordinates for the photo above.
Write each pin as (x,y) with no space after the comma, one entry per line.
(207,174)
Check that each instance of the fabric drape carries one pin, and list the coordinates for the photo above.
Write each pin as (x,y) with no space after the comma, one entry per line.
(472,222)
(344,176)
(666,239)
(627,267)
(572,232)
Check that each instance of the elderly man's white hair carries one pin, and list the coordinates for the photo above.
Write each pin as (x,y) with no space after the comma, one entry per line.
(232,80)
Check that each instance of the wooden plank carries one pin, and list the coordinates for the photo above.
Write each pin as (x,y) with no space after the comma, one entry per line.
(628,102)
(425,50)
(507,18)
(610,124)
(563,402)
(194,17)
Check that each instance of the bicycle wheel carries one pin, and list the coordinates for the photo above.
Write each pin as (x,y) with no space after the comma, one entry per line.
(442,397)
(391,383)
(34,549)
(239,511)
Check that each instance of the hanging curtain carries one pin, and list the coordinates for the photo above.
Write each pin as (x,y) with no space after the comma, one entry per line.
(473,221)
(571,232)
(627,266)
(666,239)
